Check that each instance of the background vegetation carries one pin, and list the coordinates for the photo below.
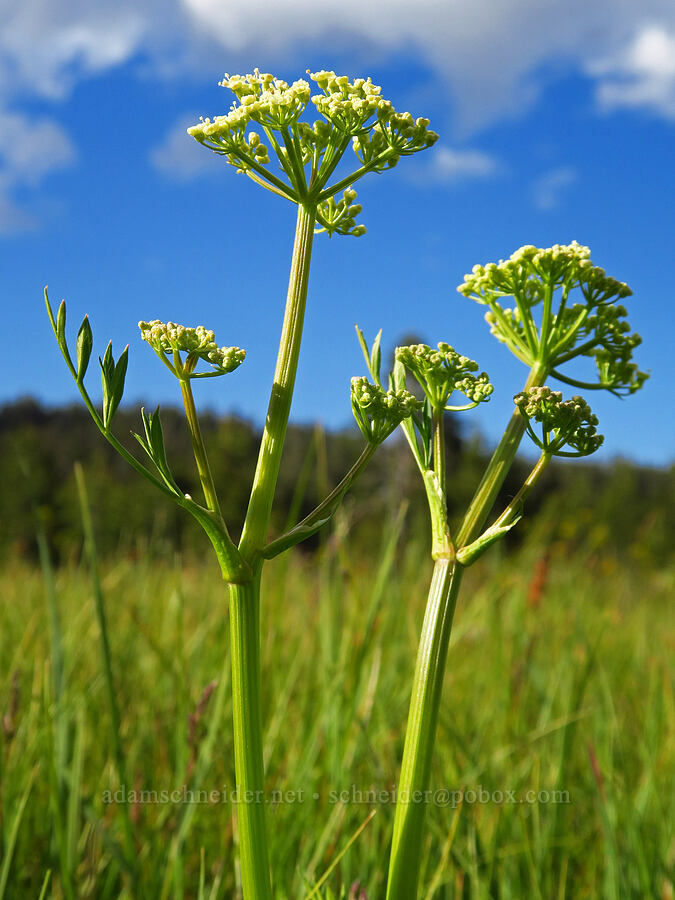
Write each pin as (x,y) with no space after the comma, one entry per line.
(558,678)
(579,502)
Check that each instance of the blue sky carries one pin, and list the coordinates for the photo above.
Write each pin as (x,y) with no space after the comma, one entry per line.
(554,125)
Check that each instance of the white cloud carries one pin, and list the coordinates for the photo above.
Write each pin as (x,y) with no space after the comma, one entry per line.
(492,56)
(488,59)
(180,157)
(549,187)
(448,166)
(46,46)
(643,76)
(30,149)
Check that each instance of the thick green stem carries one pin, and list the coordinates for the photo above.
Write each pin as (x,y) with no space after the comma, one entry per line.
(425,702)
(256,524)
(245,597)
(498,467)
(248,745)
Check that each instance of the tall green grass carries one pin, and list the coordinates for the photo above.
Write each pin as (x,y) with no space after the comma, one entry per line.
(557,682)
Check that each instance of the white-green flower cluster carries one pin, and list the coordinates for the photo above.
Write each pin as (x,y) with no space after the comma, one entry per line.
(379,412)
(563,422)
(168,339)
(349,105)
(392,136)
(261,98)
(350,110)
(530,271)
(441,371)
(563,329)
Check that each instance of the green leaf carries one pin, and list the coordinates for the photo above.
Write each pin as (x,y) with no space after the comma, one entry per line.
(107,370)
(61,324)
(363,345)
(153,444)
(469,554)
(117,383)
(157,442)
(398,379)
(376,357)
(426,431)
(85,342)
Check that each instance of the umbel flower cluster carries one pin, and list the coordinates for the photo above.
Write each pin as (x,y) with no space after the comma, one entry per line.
(379,412)
(264,121)
(562,422)
(441,371)
(168,339)
(545,326)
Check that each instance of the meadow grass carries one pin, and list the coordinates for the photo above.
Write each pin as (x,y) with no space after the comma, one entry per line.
(557,681)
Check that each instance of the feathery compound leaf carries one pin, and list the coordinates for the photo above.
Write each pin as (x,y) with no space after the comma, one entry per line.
(85,342)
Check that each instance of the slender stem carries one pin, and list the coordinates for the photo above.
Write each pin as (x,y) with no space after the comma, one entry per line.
(570,334)
(439,447)
(534,476)
(328,166)
(528,325)
(269,458)
(513,340)
(576,351)
(498,467)
(234,568)
(198,447)
(545,321)
(248,745)
(425,701)
(323,512)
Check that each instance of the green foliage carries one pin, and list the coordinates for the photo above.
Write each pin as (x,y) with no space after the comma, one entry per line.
(565,670)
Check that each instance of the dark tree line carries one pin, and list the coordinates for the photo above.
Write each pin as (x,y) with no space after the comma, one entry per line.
(620,508)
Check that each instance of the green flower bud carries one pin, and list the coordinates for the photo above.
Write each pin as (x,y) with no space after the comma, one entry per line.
(563,422)
(379,412)
(443,371)
(167,339)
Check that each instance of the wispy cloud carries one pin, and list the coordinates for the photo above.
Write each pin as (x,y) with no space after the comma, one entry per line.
(448,166)
(26,162)
(180,157)
(549,188)
(641,77)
